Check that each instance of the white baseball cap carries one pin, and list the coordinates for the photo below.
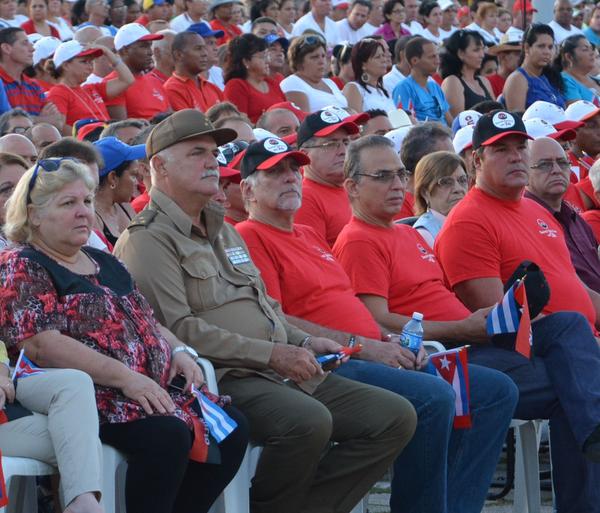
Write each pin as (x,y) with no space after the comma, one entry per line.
(398,118)
(397,136)
(71,49)
(44,48)
(466,117)
(34,38)
(581,110)
(261,133)
(445,4)
(537,128)
(463,139)
(132,33)
(551,113)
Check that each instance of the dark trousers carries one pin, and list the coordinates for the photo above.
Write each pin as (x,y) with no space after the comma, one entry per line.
(299,470)
(160,476)
(561,383)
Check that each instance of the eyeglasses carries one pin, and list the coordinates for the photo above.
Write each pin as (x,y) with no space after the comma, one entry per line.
(332,145)
(311,41)
(545,166)
(384,176)
(448,182)
(48,165)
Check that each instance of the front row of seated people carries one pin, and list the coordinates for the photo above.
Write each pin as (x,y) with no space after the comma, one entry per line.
(84,312)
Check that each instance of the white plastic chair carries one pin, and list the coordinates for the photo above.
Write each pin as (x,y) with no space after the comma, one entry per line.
(114,469)
(19,475)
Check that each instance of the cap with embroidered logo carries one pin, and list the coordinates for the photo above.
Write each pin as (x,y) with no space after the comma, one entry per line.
(495,126)
(263,155)
(323,123)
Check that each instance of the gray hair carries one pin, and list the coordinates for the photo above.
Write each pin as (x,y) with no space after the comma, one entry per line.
(252,181)
(594,174)
(352,164)
(420,141)
(112,129)
(17,227)
(8,115)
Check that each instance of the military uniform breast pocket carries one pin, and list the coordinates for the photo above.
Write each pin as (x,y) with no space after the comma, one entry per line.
(202,284)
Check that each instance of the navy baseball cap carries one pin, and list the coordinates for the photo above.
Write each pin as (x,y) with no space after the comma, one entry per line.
(204,30)
(497,125)
(115,152)
(324,122)
(263,155)
(271,39)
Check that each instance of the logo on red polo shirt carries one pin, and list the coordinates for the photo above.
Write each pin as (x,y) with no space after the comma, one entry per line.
(545,229)
(425,255)
(157,94)
(325,255)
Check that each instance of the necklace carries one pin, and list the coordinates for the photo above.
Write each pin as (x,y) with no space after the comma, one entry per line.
(88,102)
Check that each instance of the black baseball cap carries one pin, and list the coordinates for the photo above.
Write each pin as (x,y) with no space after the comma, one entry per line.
(263,155)
(324,122)
(496,125)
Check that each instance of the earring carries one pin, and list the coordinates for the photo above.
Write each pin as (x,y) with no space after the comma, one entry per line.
(365,77)
(113,186)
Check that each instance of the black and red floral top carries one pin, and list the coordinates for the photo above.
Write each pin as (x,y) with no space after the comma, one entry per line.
(105,311)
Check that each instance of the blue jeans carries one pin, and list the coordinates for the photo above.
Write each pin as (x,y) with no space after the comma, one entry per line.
(444,470)
(561,383)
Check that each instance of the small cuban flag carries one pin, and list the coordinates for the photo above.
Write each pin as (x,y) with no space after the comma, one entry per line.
(3,496)
(512,316)
(217,421)
(451,366)
(25,367)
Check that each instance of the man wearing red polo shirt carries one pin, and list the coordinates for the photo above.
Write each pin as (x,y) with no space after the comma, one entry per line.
(324,137)
(484,239)
(222,12)
(187,89)
(146,97)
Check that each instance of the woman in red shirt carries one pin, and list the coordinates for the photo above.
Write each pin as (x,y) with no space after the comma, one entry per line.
(247,82)
(72,65)
(37,22)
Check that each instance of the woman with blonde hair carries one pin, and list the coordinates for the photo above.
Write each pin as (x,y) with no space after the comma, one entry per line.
(440,183)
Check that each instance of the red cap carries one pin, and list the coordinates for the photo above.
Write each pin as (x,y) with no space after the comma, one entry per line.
(518,6)
(292,107)
(230,173)
(290,139)
(88,129)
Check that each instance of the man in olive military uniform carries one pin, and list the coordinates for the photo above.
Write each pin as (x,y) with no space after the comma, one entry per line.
(196,272)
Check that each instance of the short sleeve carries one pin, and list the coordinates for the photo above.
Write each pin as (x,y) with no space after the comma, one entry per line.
(367,267)
(28,300)
(57,96)
(401,95)
(467,250)
(293,84)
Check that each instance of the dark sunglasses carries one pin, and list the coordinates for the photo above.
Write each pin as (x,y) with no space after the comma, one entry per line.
(312,41)
(49,165)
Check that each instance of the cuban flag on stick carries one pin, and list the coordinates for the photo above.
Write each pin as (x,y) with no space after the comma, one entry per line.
(452,366)
(3,496)
(25,367)
(512,316)
(217,421)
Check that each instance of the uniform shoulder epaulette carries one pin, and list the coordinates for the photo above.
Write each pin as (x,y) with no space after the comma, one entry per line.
(144,218)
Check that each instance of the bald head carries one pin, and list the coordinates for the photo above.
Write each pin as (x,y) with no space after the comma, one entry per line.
(550,171)
(19,145)
(87,35)
(281,122)
(43,134)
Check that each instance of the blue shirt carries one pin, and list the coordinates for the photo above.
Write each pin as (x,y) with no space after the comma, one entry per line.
(539,88)
(592,36)
(4,104)
(575,90)
(427,104)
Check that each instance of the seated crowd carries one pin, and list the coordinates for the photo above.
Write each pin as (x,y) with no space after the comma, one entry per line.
(261,183)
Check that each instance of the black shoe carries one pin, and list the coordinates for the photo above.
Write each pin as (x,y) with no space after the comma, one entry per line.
(591,447)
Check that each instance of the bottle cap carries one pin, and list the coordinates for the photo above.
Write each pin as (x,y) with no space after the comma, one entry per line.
(417,316)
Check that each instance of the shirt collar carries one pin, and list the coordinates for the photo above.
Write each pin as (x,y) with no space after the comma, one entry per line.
(213,215)
(566,213)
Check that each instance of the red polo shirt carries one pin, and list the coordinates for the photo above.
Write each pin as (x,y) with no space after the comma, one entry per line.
(230,31)
(300,272)
(184,93)
(25,94)
(250,100)
(80,102)
(485,237)
(144,99)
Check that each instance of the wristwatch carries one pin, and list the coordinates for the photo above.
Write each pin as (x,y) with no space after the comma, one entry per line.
(187,349)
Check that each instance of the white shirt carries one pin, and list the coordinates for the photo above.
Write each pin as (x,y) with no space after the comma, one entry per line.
(414,27)
(96,242)
(374,99)
(427,34)
(64,29)
(392,79)
(286,34)
(370,28)
(346,34)
(308,22)
(317,99)
(92,79)
(215,76)
(182,22)
(488,37)
(561,33)
(445,34)
(17,21)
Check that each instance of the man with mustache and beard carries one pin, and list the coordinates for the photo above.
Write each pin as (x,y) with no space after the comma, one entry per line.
(195,271)
(299,270)
(549,174)
(485,238)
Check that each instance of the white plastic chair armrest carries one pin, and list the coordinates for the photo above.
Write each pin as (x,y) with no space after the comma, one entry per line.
(209,374)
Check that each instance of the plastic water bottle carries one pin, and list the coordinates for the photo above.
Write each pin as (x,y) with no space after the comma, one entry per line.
(412,333)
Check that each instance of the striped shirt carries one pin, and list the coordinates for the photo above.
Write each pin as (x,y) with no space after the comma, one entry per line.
(26,94)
